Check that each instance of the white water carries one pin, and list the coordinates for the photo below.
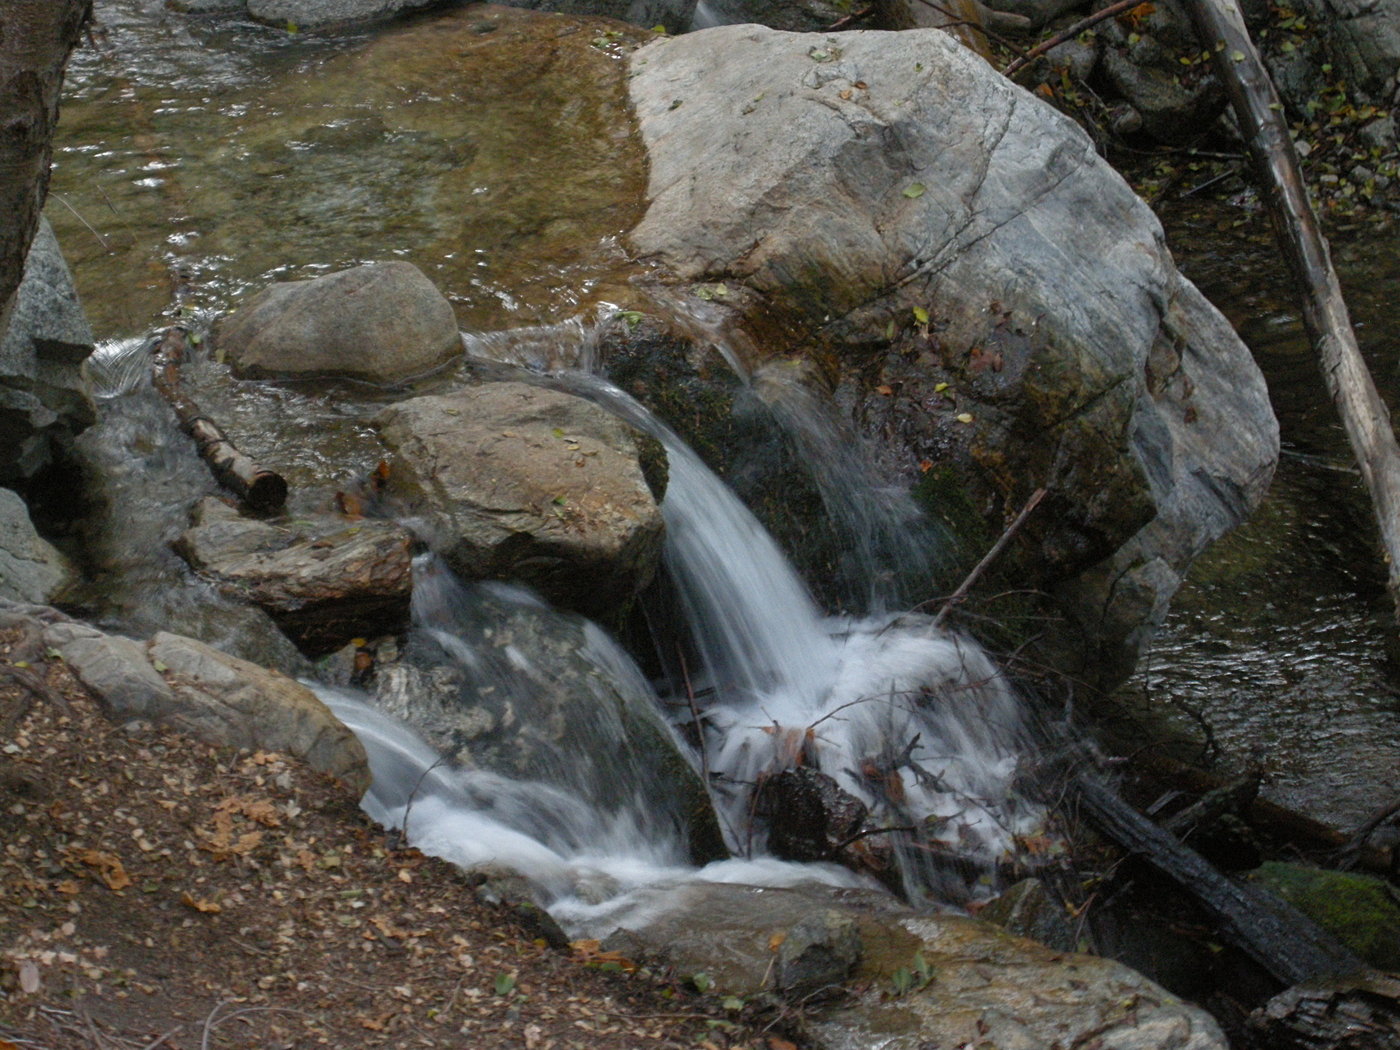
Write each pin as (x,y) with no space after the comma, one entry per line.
(777,684)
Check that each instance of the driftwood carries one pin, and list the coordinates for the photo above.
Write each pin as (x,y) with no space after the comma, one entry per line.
(1273,933)
(1260,116)
(260,488)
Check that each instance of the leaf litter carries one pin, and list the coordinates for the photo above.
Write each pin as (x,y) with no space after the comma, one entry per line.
(159,892)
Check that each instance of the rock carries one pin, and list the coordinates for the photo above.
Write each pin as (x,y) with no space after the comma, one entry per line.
(1363,42)
(304,13)
(797,16)
(198,690)
(44,400)
(1029,910)
(810,815)
(31,568)
(818,954)
(845,186)
(533,694)
(1144,66)
(325,581)
(922,981)
(381,322)
(515,482)
(1361,911)
(207,7)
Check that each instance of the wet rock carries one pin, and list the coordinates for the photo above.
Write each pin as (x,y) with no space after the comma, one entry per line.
(515,482)
(381,322)
(533,694)
(44,399)
(927,980)
(869,181)
(1028,909)
(810,815)
(1361,911)
(325,581)
(31,568)
(818,954)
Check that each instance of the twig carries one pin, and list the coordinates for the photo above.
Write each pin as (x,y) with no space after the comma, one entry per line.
(412,795)
(981,27)
(961,593)
(213,1020)
(1349,853)
(91,228)
(695,714)
(1073,31)
(867,832)
(856,16)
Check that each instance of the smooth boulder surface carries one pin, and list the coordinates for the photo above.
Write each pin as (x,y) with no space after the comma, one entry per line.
(31,568)
(511,481)
(1000,309)
(381,322)
(44,400)
(325,581)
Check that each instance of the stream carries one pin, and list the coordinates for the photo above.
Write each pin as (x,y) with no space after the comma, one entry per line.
(200,160)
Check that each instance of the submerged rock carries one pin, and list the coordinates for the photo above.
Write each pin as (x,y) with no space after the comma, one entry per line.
(515,482)
(939,980)
(1000,309)
(495,680)
(44,400)
(324,581)
(381,322)
(31,568)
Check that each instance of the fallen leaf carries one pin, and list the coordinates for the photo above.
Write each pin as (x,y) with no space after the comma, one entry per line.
(109,868)
(884,389)
(203,906)
(964,417)
(28,977)
(914,189)
(776,941)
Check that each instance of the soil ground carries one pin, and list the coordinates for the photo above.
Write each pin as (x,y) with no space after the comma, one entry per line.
(157,892)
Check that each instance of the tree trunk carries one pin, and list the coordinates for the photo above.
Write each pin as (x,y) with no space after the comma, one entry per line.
(36,37)
(1260,115)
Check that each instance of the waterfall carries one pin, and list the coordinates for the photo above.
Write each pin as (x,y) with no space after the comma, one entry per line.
(917,723)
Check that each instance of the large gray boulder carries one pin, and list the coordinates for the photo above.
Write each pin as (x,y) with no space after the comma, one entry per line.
(920,980)
(31,568)
(381,322)
(511,481)
(44,400)
(999,308)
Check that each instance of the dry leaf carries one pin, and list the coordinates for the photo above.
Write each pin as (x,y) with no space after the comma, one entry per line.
(109,868)
(204,906)
(776,941)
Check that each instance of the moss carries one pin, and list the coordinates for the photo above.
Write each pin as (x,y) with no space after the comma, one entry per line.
(1360,911)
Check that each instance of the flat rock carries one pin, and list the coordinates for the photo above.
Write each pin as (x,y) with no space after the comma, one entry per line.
(381,322)
(515,482)
(963,982)
(324,580)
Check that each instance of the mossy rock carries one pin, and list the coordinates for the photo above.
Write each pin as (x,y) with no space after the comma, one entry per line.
(1361,911)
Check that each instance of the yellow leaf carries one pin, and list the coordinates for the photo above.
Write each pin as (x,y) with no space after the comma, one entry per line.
(776,941)
(964,417)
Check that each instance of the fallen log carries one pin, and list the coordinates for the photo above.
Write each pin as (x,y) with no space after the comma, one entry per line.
(1259,113)
(1361,1014)
(261,489)
(1286,943)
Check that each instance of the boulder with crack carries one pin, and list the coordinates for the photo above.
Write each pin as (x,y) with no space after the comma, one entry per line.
(993,305)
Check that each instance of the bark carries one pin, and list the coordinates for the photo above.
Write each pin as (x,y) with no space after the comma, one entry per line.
(262,489)
(1260,115)
(36,37)
(1270,931)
